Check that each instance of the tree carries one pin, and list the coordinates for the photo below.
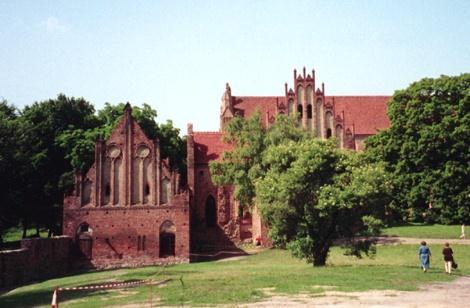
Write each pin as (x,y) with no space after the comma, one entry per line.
(309,192)
(314,193)
(426,148)
(8,158)
(242,166)
(41,163)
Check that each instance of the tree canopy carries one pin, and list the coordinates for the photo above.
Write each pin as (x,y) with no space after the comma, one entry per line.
(250,139)
(427,149)
(8,157)
(309,192)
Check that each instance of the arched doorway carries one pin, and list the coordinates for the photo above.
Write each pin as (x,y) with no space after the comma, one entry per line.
(246,225)
(211,212)
(84,241)
(328,133)
(167,239)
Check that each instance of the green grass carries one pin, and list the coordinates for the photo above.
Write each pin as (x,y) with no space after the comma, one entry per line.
(424,231)
(16,233)
(241,281)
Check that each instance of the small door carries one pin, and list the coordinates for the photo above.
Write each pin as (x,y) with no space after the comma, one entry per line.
(85,244)
(167,245)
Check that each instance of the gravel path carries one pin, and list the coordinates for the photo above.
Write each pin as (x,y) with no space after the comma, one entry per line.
(409,240)
(453,294)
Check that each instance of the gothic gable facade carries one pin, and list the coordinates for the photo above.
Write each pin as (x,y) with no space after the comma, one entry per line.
(129,208)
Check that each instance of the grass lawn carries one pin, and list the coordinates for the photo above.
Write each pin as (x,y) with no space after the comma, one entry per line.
(240,281)
(424,231)
(16,233)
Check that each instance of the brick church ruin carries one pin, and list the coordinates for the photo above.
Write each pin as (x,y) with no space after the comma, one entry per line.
(130,208)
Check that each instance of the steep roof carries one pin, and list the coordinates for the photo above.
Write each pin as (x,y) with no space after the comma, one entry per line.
(367,113)
(208,146)
(246,106)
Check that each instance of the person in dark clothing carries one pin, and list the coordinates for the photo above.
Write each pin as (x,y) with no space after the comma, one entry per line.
(448,258)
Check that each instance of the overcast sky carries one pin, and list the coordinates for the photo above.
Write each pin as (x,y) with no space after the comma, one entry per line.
(178,55)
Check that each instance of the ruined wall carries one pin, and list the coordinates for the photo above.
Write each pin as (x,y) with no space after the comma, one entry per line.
(38,258)
(221,227)
(226,232)
(129,208)
(128,236)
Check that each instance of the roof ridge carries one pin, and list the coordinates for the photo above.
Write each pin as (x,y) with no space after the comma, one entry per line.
(359,95)
(268,96)
(207,132)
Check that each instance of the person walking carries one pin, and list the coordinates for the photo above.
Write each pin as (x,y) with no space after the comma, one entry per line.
(448,258)
(424,254)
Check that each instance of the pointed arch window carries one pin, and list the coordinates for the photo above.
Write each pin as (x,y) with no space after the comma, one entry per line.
(309,111)
(328,133)
(166,191)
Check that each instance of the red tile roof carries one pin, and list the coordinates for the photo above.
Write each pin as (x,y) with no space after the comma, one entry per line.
(246,106)
(367,113)
(208,146)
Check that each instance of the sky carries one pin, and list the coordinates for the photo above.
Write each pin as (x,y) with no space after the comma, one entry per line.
(178,55)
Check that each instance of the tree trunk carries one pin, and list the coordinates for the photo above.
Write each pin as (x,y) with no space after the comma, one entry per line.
(25,227)
(320,254)
(37,230)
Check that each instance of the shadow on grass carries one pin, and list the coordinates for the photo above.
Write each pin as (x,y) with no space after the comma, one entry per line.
(44,297)
(41,297)
(26,299)
(217,255)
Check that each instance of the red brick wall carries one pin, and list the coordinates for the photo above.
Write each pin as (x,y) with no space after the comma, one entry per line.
(227,232)
(38,258)
(115,232)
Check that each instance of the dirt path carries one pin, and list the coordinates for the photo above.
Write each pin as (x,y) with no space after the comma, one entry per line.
(410,240)
(453,294)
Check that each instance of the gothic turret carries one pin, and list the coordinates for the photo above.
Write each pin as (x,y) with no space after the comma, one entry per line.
(226,107)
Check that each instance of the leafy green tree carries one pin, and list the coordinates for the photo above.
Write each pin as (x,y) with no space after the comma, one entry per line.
(427,149)
(41,160)
(309,193)
(242,166)
(8,158)
(314,193)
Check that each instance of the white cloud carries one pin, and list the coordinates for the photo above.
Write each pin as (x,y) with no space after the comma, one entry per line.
(53,25)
